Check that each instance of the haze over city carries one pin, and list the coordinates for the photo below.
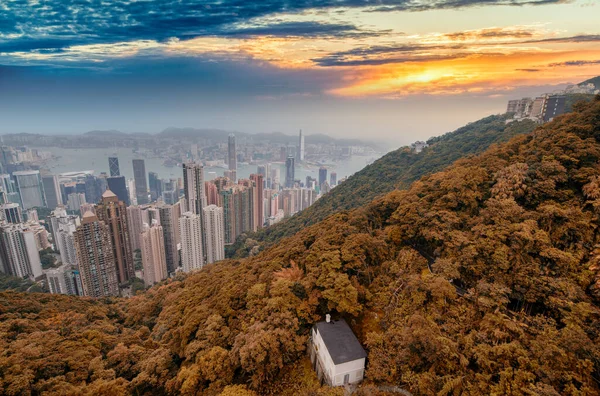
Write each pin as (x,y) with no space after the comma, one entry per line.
(344,68)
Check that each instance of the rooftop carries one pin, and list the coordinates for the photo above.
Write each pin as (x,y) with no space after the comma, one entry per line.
(342,344)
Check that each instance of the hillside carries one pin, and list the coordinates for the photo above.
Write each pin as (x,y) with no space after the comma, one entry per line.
(397,169)
(595,81)
(481,279)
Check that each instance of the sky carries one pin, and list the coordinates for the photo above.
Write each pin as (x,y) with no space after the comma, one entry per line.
(385,70)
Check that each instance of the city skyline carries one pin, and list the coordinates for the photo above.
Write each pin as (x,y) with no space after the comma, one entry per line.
(327,67)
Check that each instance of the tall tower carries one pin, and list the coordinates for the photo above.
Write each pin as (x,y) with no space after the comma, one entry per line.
(258,210)
(300,156)
(95,257)
(193,187)
(231,153)
(289,172)
(215,233)
(118,185)
(51,190)
(141,186)
(322,175)
(154,258)
(155,185)
(113,166)
(169,220)
(113,214)
(136,224)
(192,253)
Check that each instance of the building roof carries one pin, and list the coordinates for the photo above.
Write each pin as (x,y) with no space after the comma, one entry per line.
(108,194)
(341,343)
(89,217)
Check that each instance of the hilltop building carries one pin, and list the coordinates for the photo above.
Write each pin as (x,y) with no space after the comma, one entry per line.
(335,353)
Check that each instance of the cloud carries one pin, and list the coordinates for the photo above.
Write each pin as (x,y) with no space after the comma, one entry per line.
(30,25)
(384,54)
(575,63)
(304,29)
(582,38)
(528,70)
(491,33)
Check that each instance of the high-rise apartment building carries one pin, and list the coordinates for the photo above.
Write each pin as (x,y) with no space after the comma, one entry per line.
(113,214)
(62,280)
(169,220)
(75,200)
(141,186)
(333,179)
(215,233)
(29,186)
(192,253)
(154,259)
(52,190)
(289,172)
(113,166)
(118,185)
(64,240)
(231,152)
(136,224)
(193,187)
(258,201)
(95,255)
(19,254)
(11,213)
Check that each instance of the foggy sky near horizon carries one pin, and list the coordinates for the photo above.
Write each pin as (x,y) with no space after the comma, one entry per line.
(392,70)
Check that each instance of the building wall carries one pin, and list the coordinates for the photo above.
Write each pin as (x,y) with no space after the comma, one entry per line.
(334,374)
(153,255)
(192,255)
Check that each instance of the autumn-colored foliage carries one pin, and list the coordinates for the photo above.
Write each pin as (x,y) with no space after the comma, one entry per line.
(481,279)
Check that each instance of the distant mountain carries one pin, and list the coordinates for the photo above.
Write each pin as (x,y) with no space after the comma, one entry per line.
(216,134)
(397,169)
(111,132)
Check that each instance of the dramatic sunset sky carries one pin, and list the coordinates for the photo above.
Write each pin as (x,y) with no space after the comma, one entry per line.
(395,70)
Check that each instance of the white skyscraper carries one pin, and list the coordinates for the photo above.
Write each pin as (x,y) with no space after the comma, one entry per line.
(154,259)
(19,254)
(215,233)
(64,239)
(192,254)
(300,155)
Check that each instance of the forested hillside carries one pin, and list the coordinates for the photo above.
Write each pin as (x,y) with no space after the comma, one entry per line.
(397,169)
(481,279)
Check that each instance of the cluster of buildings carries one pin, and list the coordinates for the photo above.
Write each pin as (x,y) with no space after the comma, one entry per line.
(547,106)
(99,224)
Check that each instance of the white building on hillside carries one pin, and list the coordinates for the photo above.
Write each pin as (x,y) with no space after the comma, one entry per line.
(335,353)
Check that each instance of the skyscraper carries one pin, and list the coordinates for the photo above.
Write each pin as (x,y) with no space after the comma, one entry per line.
(19,252)
(215,233)
(136,224)
(154,259)
(11,213)
(113,166)
(51,190)
(333,179)
(231,153)
(193,187)
(118,185)
(113,214)
(30,189)
(258,210)
(95,255)
(300,156)
(169,220)
(141,186)
(155,185)
(322,175)
(64,239)
(192,253)
(289,172)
